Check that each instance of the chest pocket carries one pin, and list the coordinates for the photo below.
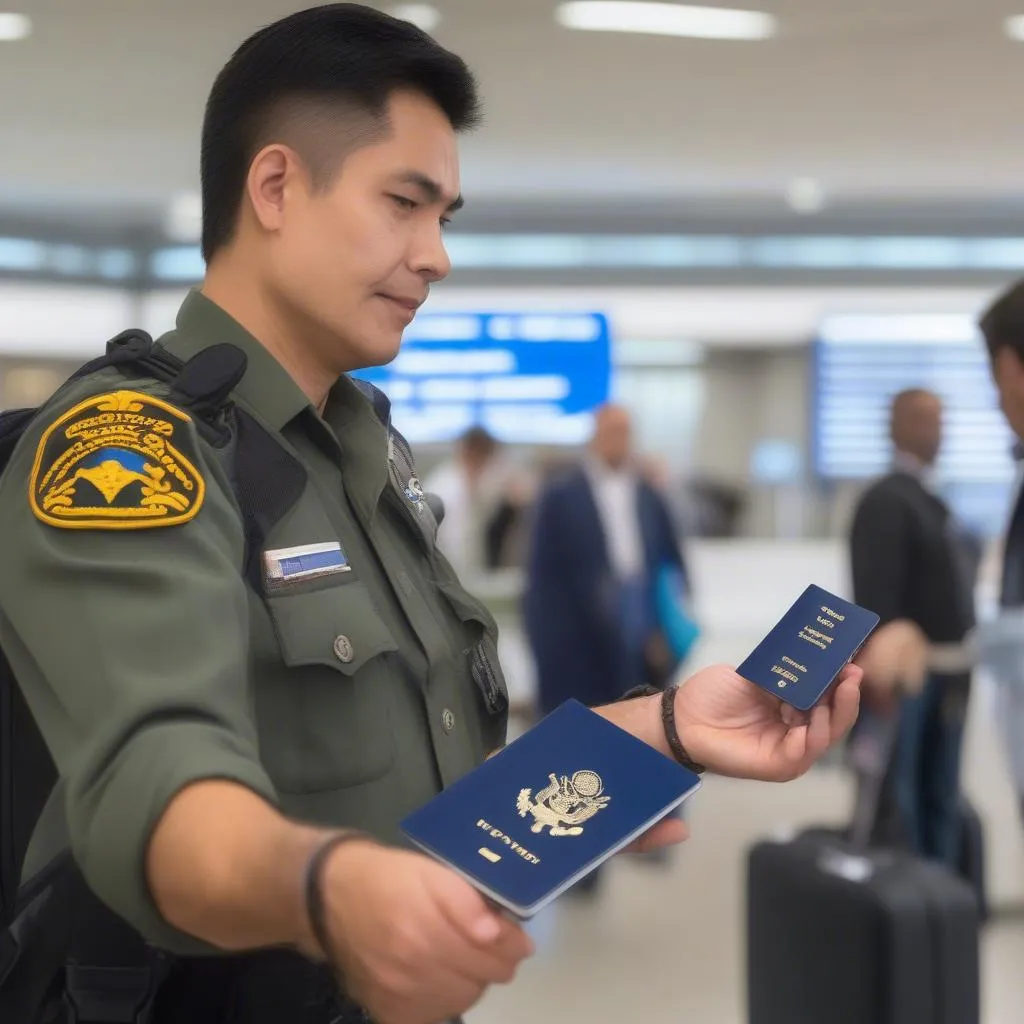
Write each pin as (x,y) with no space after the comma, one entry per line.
(330,713)
(483,663)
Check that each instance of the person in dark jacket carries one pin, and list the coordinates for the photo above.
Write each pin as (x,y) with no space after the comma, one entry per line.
(915,566)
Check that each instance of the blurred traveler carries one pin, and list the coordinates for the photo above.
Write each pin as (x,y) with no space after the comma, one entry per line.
(915,566)
(230,620)
(469,485)
(599,535)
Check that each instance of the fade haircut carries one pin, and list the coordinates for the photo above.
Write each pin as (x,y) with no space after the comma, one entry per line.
(319,81)
(1002,324)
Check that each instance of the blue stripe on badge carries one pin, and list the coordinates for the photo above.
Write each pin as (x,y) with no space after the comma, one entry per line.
(311,563)
(286,564)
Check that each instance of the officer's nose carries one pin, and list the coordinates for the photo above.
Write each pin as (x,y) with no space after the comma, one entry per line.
(430,258)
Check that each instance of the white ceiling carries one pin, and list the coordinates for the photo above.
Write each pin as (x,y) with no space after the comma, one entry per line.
(896,99)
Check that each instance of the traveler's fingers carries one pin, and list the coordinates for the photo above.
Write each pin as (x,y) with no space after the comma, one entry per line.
(819,730)
(667,832)
(792,717)
(846,703)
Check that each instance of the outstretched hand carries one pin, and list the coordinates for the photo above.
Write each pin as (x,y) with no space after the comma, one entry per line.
(735,728)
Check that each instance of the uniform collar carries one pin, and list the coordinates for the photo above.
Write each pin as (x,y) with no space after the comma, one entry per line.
(351,424)
(267,386)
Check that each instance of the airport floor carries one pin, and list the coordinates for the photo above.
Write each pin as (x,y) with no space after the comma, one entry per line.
(664,944)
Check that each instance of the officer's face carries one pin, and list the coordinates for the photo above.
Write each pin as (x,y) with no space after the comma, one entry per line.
(1008,372)
(356,260)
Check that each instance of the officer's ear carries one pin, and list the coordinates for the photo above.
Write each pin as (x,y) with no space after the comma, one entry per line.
(276,176)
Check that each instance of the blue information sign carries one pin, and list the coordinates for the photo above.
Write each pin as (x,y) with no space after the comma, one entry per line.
(532,378)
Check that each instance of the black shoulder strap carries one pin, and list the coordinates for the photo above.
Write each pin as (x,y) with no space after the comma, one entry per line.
(201,385)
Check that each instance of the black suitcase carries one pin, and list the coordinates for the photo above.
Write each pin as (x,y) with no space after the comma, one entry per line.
(842,932)
(840,936)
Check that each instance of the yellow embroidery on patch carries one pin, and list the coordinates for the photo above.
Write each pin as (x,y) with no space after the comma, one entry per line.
(111,463)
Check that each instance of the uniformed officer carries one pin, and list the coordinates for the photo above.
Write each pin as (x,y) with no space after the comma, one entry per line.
(238,739)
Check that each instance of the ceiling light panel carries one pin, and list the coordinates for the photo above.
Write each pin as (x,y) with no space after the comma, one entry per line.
(14,27)
(667,19)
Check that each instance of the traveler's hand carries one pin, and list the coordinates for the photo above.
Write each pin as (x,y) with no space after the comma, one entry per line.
(895,664)
(417,944)
(735,728)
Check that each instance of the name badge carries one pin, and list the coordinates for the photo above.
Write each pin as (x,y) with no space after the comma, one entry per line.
(283,566)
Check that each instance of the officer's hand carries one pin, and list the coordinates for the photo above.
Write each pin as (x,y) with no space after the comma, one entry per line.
(417,944)
(735,728)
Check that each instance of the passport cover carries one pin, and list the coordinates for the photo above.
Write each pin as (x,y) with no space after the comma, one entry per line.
(802,656)
(549,807)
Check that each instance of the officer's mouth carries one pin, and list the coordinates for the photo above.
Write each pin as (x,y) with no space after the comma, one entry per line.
(403,306)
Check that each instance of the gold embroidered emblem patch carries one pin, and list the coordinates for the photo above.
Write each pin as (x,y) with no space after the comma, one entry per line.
(115,462)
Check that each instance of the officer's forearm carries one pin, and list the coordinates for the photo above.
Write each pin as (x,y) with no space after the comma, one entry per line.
(225,867)
(641,717)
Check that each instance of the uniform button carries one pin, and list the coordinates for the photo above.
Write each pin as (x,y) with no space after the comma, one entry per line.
(447,720)
(343,649)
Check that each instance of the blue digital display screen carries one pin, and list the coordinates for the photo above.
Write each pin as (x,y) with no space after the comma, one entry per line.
(532,378)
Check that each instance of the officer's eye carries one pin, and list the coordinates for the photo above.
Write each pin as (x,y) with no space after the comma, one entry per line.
(405,202)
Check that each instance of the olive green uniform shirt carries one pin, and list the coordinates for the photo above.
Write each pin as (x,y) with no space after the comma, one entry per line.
(149,662)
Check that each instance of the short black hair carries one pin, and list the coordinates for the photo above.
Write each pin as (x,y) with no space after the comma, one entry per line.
(1002,324)
(336,55)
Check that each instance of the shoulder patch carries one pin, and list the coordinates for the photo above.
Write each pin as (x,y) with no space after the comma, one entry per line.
(117,461)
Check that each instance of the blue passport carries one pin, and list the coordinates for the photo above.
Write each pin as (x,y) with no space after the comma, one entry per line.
(803,655)
(549,808)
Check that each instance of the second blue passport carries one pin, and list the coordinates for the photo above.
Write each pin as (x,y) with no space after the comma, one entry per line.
(802,656)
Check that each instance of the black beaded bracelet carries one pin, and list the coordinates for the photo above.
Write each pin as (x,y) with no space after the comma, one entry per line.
(668,721)
(313,890)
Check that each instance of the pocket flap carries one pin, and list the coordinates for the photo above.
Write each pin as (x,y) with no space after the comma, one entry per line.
(485,666)
(337,626)
(467,607)
(488,675)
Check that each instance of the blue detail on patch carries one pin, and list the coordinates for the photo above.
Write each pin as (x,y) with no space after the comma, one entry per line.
(316,562)
(132,461)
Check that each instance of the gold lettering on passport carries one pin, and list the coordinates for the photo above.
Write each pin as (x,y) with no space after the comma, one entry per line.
(786,675)
(811,636)
(565,804)
(501,837)
(816,637)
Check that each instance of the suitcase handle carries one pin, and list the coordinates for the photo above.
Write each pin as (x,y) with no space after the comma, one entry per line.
(869,793)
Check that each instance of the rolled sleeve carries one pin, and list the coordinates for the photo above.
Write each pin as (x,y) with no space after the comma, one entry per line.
(111,822)
(131,648)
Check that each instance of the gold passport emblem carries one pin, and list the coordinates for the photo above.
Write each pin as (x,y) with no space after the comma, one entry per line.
(564,805)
